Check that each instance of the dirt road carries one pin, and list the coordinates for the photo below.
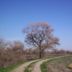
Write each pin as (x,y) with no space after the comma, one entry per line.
(22,67)
(37,66)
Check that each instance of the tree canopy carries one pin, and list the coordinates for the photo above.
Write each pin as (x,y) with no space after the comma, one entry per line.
(40,35)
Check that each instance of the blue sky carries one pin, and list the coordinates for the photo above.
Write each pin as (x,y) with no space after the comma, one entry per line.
(17,14)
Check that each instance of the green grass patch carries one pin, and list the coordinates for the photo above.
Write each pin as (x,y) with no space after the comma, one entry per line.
(43,66)
(10,68)
(30,67)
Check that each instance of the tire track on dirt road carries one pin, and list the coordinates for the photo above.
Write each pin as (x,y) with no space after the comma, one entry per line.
(22,67)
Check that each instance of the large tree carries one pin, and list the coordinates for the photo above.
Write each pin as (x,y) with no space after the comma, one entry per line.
(40,35)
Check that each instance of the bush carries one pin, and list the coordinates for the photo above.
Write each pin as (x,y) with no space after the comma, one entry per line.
(70,66)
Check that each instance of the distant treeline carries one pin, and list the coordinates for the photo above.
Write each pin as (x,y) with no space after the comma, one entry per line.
(14,52)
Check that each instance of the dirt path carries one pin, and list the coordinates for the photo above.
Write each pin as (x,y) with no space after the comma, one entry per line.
(37,66)
(22,67)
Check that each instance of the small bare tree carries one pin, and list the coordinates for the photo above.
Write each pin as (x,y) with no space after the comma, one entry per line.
(40,35)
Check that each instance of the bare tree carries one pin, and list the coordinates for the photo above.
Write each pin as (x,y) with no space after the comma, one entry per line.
(40,35)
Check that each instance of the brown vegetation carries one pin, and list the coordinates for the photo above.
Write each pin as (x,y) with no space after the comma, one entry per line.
(10,53)
(58,68)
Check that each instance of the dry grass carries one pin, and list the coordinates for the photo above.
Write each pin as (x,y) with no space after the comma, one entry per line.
(58,68)
(60,65)
(57,65)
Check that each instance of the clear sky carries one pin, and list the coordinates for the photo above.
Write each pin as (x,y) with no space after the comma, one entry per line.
(17,14)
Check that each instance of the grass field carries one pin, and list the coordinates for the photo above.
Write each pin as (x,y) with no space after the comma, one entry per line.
(57,65)
(11,67)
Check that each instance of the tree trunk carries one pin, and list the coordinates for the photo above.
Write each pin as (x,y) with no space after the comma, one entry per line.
(40,53)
